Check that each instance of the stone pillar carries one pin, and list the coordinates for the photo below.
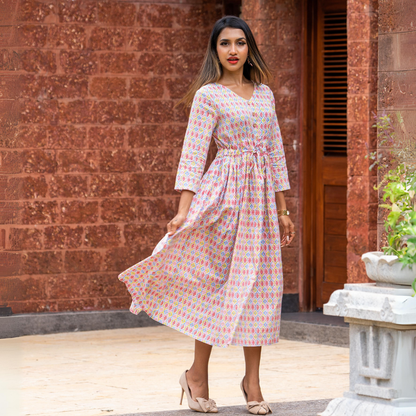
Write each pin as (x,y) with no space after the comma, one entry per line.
(362,92)
(397,68)
(276,25)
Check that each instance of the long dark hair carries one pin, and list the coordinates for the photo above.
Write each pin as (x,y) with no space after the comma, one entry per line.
(211,70)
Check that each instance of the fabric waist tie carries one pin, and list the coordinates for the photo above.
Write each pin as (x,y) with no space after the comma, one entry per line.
(260,157)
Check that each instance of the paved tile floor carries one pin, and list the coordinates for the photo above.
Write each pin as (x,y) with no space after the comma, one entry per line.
(136,371)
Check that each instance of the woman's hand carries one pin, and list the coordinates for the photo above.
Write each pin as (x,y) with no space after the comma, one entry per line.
(287,230)
(175,223)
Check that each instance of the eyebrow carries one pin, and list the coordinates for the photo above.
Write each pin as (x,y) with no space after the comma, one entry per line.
(236,39)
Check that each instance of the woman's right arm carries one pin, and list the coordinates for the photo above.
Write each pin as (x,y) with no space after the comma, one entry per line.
(184,205)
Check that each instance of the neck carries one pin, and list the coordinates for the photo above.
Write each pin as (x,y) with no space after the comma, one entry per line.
(233,78)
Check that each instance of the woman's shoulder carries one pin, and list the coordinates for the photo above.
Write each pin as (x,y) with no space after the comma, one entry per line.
(265,88)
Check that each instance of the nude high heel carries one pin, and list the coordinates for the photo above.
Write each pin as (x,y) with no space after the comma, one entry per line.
(256,408)
(199,405)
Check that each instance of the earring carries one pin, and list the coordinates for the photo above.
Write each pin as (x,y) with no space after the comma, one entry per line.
(249,62)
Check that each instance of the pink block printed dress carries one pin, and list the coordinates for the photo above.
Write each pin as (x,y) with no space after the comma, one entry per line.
(219,278)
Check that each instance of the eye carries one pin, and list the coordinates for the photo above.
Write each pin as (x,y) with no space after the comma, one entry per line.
(242,43)
(223,43)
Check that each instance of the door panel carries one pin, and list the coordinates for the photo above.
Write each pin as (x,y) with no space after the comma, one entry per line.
(330,148)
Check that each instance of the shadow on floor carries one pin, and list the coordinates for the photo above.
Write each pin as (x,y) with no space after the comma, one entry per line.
(306,408)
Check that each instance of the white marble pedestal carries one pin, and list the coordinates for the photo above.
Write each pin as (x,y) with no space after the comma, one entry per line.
(382,319)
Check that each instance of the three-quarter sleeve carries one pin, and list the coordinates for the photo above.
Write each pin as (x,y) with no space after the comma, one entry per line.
(277,155)
(202,121)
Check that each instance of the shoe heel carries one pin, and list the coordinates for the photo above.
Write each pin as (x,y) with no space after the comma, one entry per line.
(183,391)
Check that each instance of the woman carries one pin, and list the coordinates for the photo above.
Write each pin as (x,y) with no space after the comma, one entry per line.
(217,274)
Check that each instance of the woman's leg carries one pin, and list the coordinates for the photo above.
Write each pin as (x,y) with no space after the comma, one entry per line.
(251,382)
(197,376)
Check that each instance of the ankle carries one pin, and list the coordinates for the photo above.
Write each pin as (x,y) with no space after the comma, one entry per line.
(197,377)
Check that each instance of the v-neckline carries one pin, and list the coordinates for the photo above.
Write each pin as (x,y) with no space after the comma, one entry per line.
(245,99)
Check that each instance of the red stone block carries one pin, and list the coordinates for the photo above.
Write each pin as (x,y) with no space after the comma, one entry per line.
(118,63)
(60,237)
(362,26)
(79,11)
(150,63)
(356,269)
(286,107)
(77,212)
(174,135)
(160,209)
(143,235)
(146,135)
(10,213)
(106,284)
(362,6)
(182,40)
(14,289)
(150,88)
(397,90)
(77,161)
(289,31)
(107,39)
(9,60)
(66,137)
(35,60)
(155,111)
(68,186)
(188,63)
(121,258)
(169,185)
(105,137)
(56,86)
(289,132)
(177,87)
(11,86)
(10,264)
(146,184)
(33,306)
(395,16)
(107,185)
(118,210)
(35,11)
(40,111)
(113,303)
(359,54)
(155,15)
(39,161)
(156,160)
(358,164)
(28,187)
(40,212)
(120,112)
(33,36)
(25,239)
(290,260)
(116,14)
(76,305)
(288,82)
(43,262)
(8,11)
(359,109)
(118,161)
(108,88)
(77,111)
(82,261)
(293,192)
(145,39)
(11,161)
(191,16)
(102,236)
(79,62)
(69,37)
(264,10)
(66,286)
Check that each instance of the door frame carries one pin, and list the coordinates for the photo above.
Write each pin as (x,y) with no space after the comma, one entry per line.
(307,168)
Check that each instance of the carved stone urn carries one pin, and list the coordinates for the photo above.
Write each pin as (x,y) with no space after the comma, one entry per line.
(382,321)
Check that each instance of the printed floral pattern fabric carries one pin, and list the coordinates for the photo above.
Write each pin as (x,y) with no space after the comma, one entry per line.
(219,278)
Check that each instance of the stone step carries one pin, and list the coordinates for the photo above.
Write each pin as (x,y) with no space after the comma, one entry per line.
(307,327)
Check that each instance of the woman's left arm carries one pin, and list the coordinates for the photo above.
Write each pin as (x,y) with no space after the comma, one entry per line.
(287,228)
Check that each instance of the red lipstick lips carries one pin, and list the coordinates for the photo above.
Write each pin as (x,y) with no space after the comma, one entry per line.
(232,60)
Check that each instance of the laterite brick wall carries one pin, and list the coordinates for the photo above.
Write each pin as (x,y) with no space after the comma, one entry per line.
(89,142)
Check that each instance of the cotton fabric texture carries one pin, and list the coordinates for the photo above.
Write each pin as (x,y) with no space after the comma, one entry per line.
(219,278)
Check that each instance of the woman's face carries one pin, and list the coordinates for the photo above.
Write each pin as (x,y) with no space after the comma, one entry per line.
(232,48)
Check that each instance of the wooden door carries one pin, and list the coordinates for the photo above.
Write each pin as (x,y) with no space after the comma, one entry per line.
(330,142)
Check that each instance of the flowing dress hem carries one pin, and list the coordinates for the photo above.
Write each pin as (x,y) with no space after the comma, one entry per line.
(137,309)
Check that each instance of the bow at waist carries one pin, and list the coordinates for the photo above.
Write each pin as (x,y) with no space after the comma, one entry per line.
(240,152)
